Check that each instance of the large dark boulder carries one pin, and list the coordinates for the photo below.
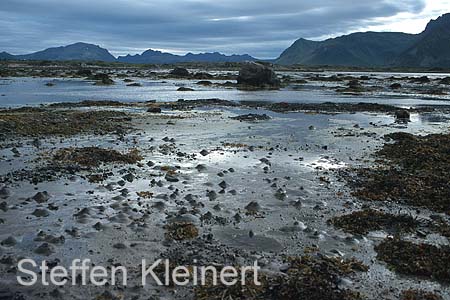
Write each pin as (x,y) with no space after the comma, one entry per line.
(258,75)
(180,72)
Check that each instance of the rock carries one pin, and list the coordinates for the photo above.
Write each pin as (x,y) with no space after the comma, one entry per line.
(445,81)
(5,193)
(4,206)
(223,184)
(212,195)
(420,80)
(120,246)
(205,83)
(84,73)
(9,241)
(45,249)
(129,177)
(201,167)
(180,72)
(203,75)
(402,116)
(103,79)
(44,237)
(251,117)
(41,197)
(395,86)
(185,89)
(171,178)
(39,212)
(154,110)
(253,207)
(280,194)
(254,74)
(204,152)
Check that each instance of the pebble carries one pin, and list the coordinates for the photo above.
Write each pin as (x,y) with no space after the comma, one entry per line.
(45,249)
(40,212)
(41,197)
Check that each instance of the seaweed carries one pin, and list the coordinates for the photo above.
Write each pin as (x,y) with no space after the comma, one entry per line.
(362,222)
(423,260)
(307,277)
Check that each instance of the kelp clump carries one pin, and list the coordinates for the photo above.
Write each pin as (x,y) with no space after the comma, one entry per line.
(422,260)
(362,222)
(307,277)
(94,156)
(415,171)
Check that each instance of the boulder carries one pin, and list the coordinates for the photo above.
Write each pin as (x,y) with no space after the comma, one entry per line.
(402,116)
(180,72)
(395,86)
(154,109)
(254,74)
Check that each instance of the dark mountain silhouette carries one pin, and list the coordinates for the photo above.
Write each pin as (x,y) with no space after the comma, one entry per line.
(157,57)
(6,56)
(430,48)
(77,51)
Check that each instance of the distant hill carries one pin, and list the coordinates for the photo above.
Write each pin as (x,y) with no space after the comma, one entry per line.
(6,56)
(77,51)
(430,48)
(157,57)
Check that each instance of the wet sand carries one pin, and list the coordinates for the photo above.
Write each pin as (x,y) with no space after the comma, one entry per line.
(242,190)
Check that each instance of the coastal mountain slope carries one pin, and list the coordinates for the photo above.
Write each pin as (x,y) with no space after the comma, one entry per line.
(157,57)
(430,48)
(77,51)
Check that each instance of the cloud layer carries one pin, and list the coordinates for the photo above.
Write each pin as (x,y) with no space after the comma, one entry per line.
(262,28)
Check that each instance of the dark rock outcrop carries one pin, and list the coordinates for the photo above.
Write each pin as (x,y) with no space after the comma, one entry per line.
(257,75)
(180,72)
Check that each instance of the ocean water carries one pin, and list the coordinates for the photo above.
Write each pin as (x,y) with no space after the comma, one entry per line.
(34,91)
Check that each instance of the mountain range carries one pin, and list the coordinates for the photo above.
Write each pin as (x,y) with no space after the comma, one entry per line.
(158,57)
(430,48)
(89,52)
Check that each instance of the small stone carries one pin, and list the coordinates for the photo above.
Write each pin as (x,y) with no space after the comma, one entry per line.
(41,197)
(38,212)
(9,241)
(45,249)
(129,177)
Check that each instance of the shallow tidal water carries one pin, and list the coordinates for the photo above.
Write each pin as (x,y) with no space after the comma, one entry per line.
(33,91)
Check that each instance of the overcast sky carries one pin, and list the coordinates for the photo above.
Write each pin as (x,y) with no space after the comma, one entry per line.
(261,28)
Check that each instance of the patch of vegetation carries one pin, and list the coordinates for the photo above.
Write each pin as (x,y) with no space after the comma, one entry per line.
(181,231)
(94,156)
(308,277)
(422,260)
(36,122)
(362,222)
(419,295)
(415,171)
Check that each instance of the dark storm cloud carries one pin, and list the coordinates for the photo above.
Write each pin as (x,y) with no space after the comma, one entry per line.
(262,28)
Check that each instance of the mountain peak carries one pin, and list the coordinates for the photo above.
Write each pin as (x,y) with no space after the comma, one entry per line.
(430,48)
(440,22)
